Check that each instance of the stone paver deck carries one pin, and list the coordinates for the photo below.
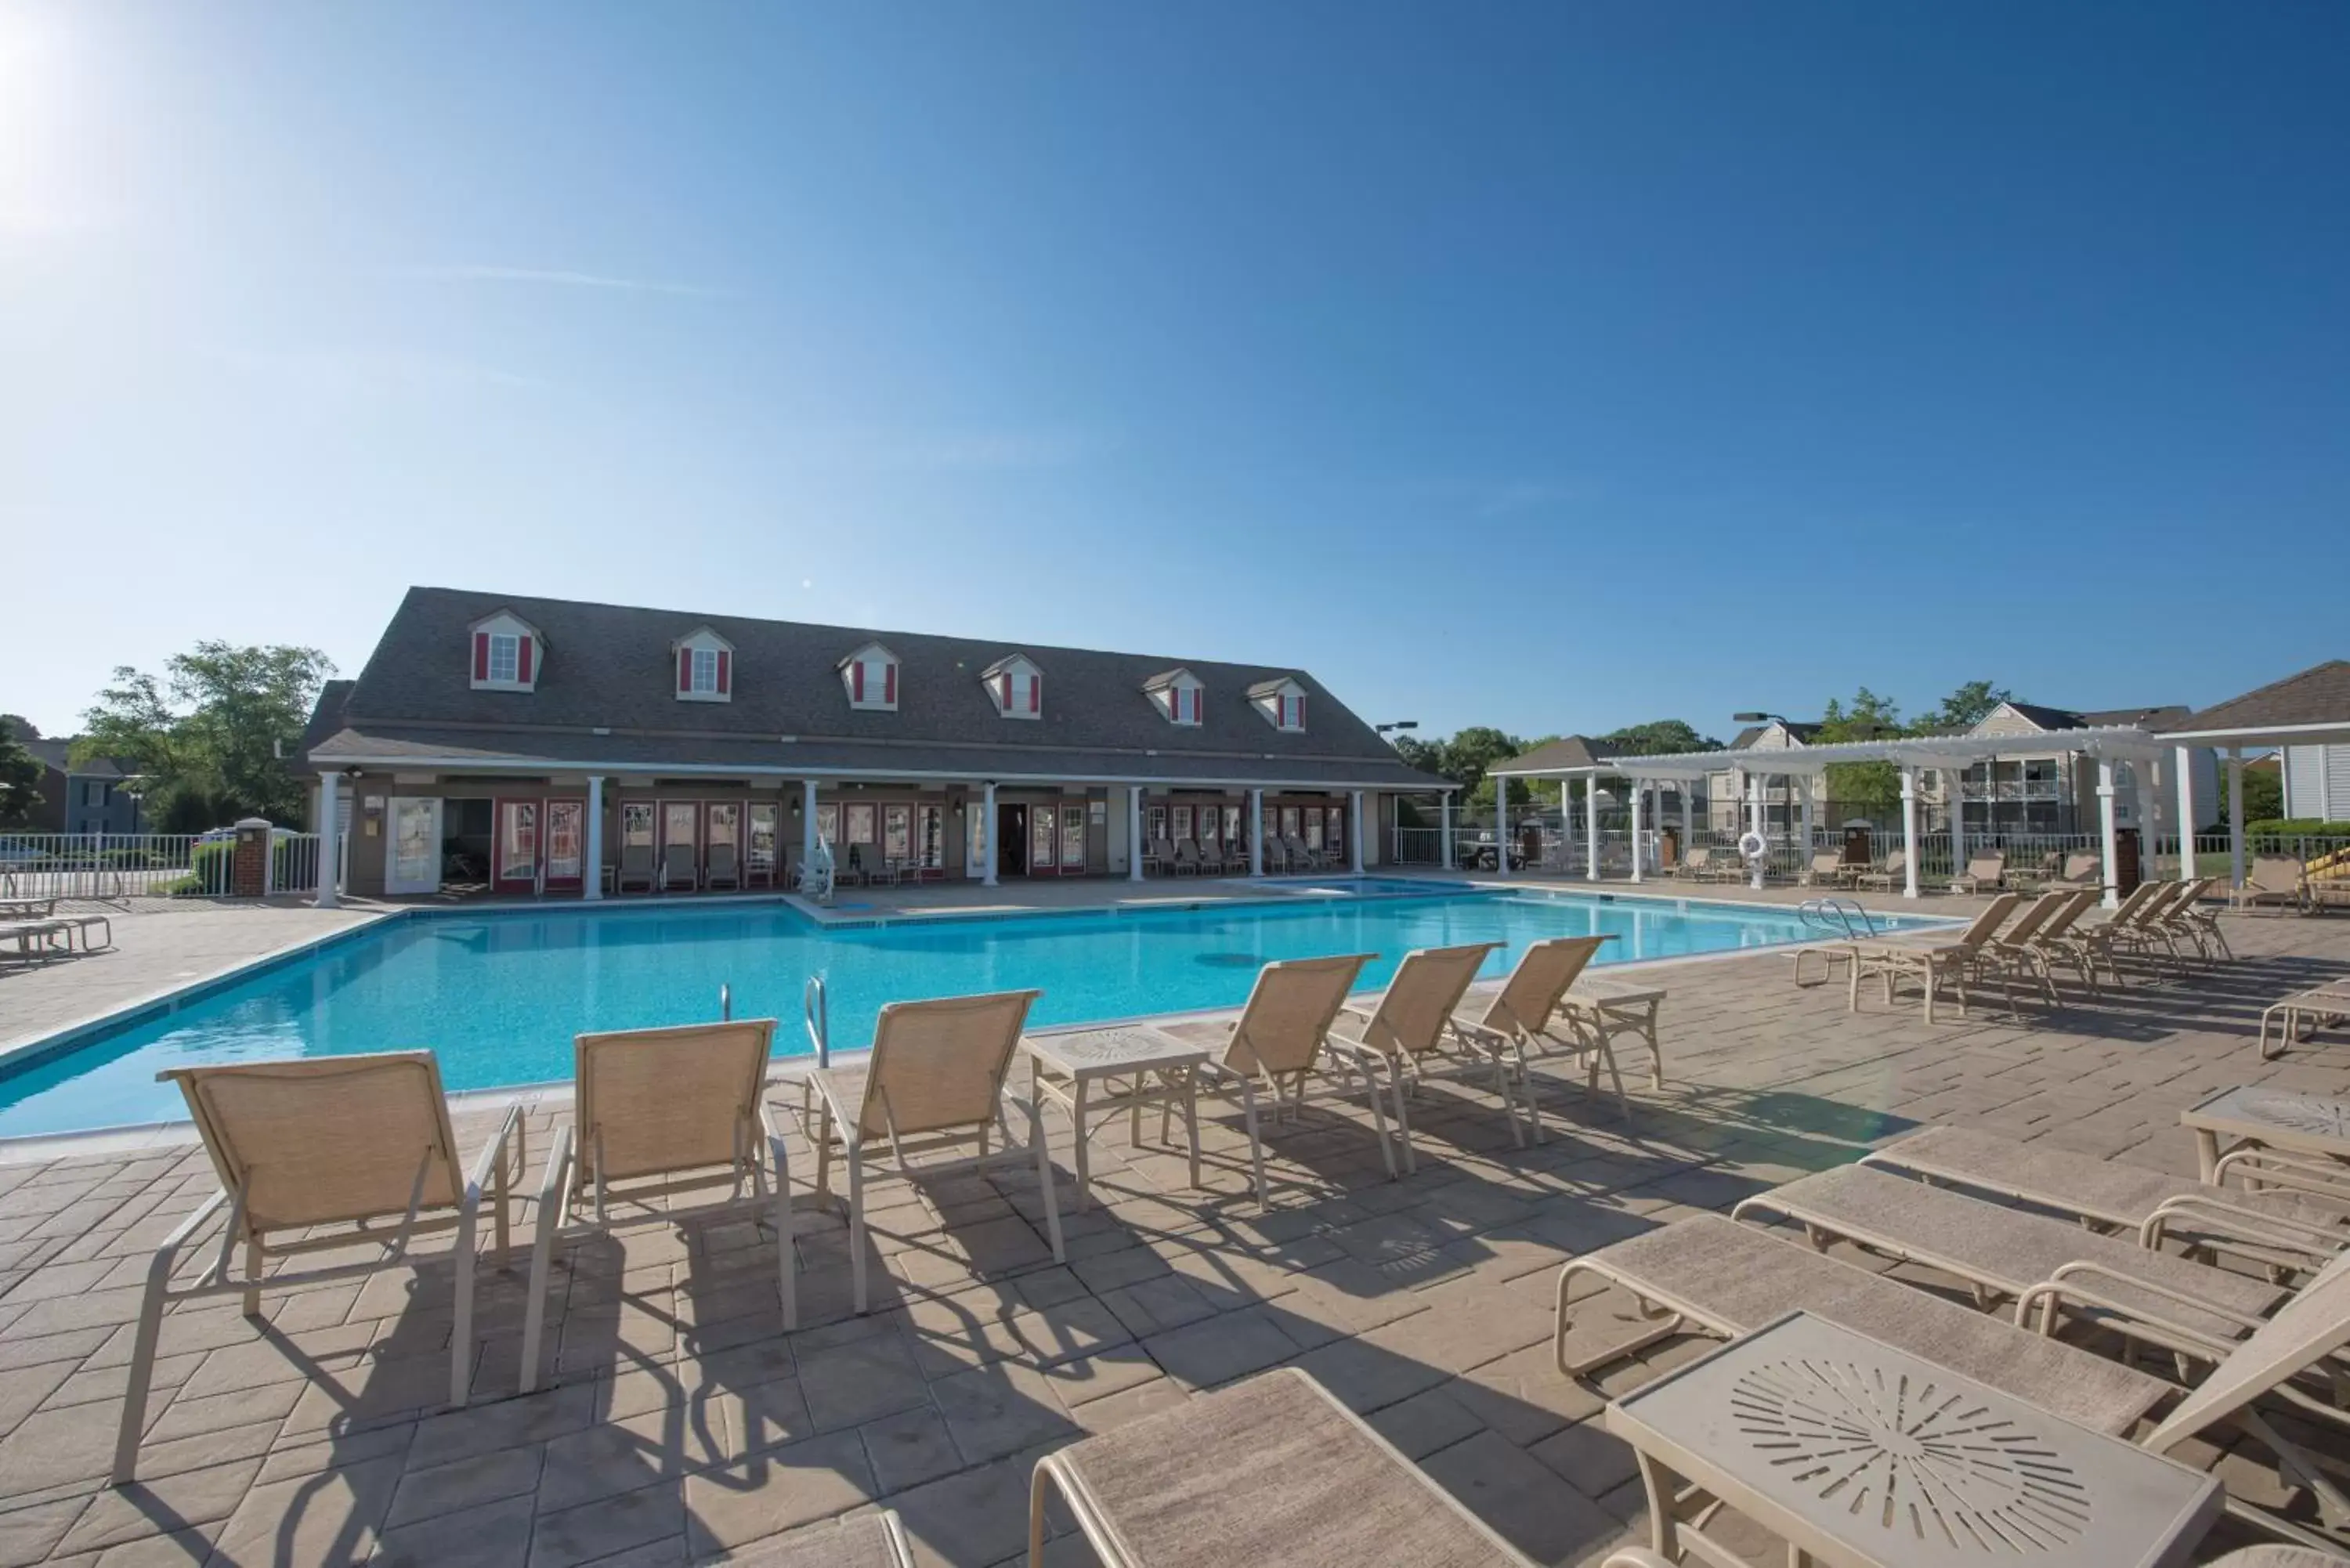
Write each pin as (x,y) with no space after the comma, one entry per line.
(684,1424)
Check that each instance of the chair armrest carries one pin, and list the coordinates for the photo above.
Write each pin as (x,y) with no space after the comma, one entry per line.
(2322,1178)
(485,1163)
(2066,1284)
(2217,1222)
(559,1160)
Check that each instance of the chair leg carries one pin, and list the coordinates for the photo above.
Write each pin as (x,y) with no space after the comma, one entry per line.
(1378,1117)
(1608,1054)
(1190,1117)
(460,1334)
(854,1157)
(1509,1098)
(787,1261)
(253,1273)
(1256,1144)
(553,1190)
(1403,1114)
(1045,1180)
(142,1365)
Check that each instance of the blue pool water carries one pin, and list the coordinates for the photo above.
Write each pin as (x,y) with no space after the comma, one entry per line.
(500,995)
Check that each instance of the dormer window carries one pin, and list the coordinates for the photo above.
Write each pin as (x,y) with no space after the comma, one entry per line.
(507,653)
(1016,686)
(1177,696)
(1281,702)
(870,676)
(705,667)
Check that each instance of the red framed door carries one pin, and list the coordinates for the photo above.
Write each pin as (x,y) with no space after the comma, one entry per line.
(564,828)
(514,855)
(1044,841)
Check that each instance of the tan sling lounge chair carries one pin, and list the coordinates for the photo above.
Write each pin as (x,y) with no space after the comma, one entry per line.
(1828,870)
(1987,869)
(660,1113)
(725,866)
(324,1154)
(2300,1015)
(2002,1252)
(1895,871)
(1187,857)
(1693,864)
(678,868)
(1525,1019)
(637,867)
(2082,869)
(1276,1044)
(934,1081)
(1271,1472)
(1708,1274)
(1931,965)
(1409,1032)
(2277,881)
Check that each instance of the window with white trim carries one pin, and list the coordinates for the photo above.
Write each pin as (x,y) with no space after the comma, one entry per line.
(705,670)
(505,657)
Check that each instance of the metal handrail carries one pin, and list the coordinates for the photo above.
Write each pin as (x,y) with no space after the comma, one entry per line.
(726,1003)
(817,1011)
(1836,914)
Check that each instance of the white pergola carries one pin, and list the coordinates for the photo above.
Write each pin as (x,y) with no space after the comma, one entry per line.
(2212,729)
(2109,744)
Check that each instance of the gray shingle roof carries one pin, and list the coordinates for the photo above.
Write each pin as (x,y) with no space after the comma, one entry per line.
(55,752)
(2318,695)
(2049,718)
(609,666)
(1567,752)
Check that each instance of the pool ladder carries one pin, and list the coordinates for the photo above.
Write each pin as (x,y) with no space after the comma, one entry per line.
(813,1008)
(1838,914)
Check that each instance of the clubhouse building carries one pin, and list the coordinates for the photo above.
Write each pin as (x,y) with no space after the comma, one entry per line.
(557,748)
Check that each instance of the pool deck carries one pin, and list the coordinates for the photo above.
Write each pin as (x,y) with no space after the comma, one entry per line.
(684,1425)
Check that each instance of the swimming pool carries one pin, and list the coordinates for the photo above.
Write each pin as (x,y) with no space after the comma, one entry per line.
(500,995)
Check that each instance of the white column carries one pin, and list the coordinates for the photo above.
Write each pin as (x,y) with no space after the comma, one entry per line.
(1133,832)
(1256,832)
(2106,830)
(1638,786)
(1689,814)
(1354,830)
(1444,825)
(591,883)
(1754,806)
(330,812)
(1803,860)
(808,821)
(1954,795)
(2235,816)
(2144,802)
(1500,826)
(2184,761)
(1590,828)
(994,850)
(1910,830)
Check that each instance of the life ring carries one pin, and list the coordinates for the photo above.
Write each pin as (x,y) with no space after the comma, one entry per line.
(1752,845)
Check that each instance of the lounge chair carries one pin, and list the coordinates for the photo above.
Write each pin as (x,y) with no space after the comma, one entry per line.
(1524,1015)
(1300,858)
(1895,869)
(2002,1251)
(1211,858)
(37,940)
(661,1112)
(1163,851)
(637,867)
(1706,1273)
(862,1540)
(1409,1031)
(2303,1012)
(1187,857)
(1827,869)
(1272,1470)
(1607,1008)
(934,1081)
(1277,854)
(2194,913)
(324,1154)
(1694,864)
(2015,950)
(725,866)
(2116,1194)
(1931,965)
(2052,941)
(2104,942)
(2082,869)
(1276,1044)
(1154,859)
(866,866)
(1987,869)
(2273,880)
(679,868)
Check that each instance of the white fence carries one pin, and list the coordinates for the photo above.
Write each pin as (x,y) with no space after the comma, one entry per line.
(115,867)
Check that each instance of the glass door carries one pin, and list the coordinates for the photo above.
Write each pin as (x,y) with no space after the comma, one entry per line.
(415,862)
(1073,841)
(760,860)
(567,847)
(976,838)
(517,846)
(1044,836)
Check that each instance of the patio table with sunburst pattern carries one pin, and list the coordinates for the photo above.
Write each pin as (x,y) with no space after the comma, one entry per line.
(1861,1456)
(2263,1117)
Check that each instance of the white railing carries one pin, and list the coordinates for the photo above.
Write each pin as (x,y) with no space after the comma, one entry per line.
(115,867)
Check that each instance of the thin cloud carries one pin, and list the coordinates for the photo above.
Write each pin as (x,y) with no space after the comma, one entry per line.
(551,278)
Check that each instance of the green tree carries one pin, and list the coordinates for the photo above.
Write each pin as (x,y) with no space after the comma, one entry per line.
(1872,789)
(1969,705)
(20,772)
(1658,737)
(2263,796)
(210,741)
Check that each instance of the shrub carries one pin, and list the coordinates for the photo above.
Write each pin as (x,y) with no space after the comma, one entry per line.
(2297,827)
(212,868)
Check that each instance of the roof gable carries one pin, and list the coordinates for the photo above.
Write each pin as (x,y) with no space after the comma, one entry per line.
(2318,695)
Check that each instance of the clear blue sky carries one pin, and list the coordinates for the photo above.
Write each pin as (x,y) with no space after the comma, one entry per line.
(1552,366)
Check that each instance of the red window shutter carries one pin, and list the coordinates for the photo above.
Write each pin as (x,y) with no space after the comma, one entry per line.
(889,684)
(522,659)
(685,670)
(481,656)
(856,682)
(725,671)
(1035,692)
(1301,709)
